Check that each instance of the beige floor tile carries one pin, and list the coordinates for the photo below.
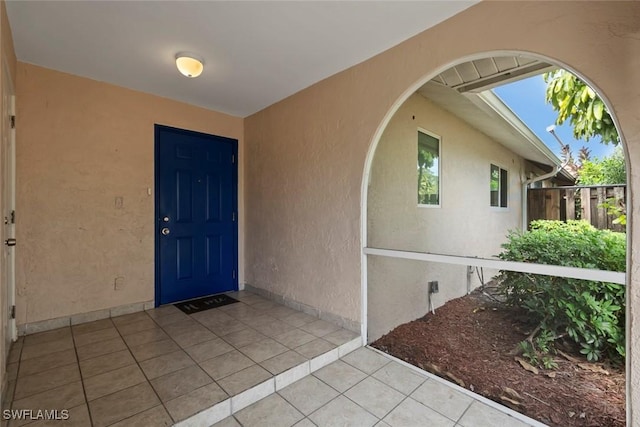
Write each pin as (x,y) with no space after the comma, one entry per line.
(315,348)
(143,337)
(12,371)
(320,328)
(265,305)
(208,349)
(281,311)
(113,381)
(272,411)
(37,350)
(46,380)
(195,401)
(50,361)
(244,337)
(130,318)
(243,380)
(96,336)
(227,422)
(366,360)
(283,362)
(138,326)
(343,412)
(294,338)
(442,398)
(48,336)
(122,404)
(105,363)
(340,375)
(257,319)
(374,396)
(412,413)
(154,417)
(274,328)
(481,415)
(399,377)
(341,336)
(181,327)
(196,335)
(97,325)
(153,349)
(225,327)
(299,319)
(305,423)
(77,417)
(226,364)
(240,310)
(165,364)
(180,382)
(100,348)
(308,394)
(162,311)
(212,316)
(14,353)
(263,350)
(170,319)
(63,397)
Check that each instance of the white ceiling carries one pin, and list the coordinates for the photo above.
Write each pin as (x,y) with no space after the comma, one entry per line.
(256,52)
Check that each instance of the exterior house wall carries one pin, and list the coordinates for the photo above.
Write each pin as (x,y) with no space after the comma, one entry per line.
(81,145)
(464,224)
(306,155)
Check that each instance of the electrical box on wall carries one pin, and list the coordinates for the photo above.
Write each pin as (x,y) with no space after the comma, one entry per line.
(433,287)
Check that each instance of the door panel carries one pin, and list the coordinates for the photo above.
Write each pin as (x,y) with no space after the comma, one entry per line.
(196,202)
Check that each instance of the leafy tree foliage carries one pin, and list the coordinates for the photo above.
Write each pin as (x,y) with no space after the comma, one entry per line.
(609,170)
(575,101)
(590,313)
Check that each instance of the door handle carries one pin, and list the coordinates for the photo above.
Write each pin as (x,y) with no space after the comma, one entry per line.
(165,231)
(10,242)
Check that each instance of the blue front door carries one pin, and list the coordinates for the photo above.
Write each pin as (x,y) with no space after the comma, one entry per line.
(196,205)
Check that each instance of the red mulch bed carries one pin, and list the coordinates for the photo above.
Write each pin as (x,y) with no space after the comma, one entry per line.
(468,341)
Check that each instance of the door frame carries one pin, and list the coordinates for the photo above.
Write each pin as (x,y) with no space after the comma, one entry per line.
(157,223)
(9,198)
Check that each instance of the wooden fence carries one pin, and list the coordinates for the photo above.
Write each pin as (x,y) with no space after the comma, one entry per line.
(581,202)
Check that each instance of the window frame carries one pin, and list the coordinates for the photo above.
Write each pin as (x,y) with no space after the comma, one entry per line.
(439,138)
(503,193)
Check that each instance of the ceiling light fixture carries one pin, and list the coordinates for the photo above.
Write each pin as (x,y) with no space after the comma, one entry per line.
(189,64)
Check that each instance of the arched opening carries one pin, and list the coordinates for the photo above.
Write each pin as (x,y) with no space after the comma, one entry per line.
(433,233)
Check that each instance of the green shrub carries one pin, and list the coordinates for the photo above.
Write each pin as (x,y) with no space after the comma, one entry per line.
(590,313)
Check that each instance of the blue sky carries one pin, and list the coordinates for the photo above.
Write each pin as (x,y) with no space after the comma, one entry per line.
(527,99)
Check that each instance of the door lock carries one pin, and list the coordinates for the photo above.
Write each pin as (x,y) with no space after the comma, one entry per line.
(10,242)
(165,231)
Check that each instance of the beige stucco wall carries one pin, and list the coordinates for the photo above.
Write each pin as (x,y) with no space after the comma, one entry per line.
(307,153)
(81,145)
(464,224)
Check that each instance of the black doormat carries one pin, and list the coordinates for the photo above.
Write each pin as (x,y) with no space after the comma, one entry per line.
(205,303)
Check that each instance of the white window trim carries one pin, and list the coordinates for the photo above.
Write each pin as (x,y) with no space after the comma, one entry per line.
(434,135)
(500,208)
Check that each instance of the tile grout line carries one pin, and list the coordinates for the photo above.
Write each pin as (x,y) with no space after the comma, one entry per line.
(84,391)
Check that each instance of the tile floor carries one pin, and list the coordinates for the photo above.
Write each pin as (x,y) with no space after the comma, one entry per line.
(253,363)
(161,367)
(367,388)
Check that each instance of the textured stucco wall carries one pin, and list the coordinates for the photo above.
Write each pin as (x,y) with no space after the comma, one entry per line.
(81,145)
(464,224)
(306,154)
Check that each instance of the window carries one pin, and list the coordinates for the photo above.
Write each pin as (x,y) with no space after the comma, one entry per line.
(498,187)
(428,169)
